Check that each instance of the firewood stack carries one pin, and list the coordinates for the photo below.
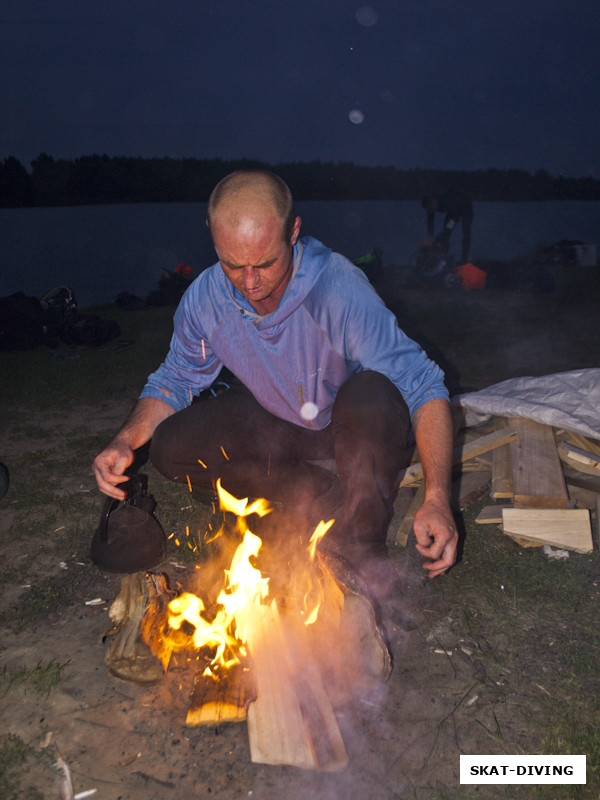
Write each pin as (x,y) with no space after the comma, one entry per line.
(544,482)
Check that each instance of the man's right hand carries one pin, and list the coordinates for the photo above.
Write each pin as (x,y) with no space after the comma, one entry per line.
(110,465)
(109,468)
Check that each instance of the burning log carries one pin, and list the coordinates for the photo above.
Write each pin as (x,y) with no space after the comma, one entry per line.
(154,627)
(352,651)
(221,698)
(128,658)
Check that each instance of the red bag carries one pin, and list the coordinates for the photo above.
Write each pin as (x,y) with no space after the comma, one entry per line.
(471,276)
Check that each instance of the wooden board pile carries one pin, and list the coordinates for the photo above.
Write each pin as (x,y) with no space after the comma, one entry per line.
(544,481)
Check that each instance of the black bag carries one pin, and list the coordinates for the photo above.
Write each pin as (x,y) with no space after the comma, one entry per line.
(63,322)
(89,329)
(21,322)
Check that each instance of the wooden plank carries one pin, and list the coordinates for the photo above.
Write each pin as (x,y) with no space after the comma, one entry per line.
(521,541)
(576,478)
(490,515)
(569,528)
(405,526)
(484,444)
(538,480)
(477,464)
(468,488)
(317,711)
(502,485)
(220,699)
(581,460)
(276,728)
(468,435)
(583,498)
(401,506)
(287,723)
(583,442)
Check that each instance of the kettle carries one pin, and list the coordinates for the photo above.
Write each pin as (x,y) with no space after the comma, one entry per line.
(129,538)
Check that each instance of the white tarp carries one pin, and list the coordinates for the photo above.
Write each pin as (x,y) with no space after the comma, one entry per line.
(568,400)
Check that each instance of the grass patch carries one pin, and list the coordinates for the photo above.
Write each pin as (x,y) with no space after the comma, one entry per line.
(42,679)
(16,757)
(29,493)
(50,594)
(533,621)
(40,379)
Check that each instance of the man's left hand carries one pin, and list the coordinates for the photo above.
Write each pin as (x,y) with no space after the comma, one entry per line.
(437,537)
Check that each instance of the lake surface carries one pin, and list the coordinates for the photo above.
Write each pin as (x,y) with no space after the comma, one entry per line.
(99,251)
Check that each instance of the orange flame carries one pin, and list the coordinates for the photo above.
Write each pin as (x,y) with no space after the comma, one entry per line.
(313,597)
(244,589)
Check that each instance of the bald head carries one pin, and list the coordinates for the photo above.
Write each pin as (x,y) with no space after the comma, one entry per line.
(251,195)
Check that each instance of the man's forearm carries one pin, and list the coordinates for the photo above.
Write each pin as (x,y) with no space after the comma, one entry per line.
(145,417)
(434,433)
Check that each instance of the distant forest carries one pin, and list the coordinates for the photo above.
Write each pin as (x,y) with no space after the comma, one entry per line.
(102,179)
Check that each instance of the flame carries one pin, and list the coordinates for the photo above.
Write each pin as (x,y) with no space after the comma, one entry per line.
(244,589)
(313,597)
(240,507)
(319,533)
(188,608)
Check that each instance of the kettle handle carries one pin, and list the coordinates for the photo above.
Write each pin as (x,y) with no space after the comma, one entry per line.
(136,488)
(109,506)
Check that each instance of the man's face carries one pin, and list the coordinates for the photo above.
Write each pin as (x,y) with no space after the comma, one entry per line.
(255,257)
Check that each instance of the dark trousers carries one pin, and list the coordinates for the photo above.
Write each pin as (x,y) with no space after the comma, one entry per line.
(256,454)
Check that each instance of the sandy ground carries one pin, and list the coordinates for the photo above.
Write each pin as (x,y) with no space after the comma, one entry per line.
(404,737)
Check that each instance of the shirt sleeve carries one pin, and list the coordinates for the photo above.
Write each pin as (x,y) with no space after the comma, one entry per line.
(190,365)
(373,339)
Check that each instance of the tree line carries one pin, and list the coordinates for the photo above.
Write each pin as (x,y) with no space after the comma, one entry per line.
(102,179)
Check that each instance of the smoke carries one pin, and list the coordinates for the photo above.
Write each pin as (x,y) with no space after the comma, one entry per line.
(356,648)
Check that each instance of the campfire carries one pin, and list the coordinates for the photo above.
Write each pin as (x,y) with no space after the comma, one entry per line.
(274,644)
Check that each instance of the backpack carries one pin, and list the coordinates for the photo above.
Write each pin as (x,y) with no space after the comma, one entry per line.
(90,330)
(63,321)
(21,322)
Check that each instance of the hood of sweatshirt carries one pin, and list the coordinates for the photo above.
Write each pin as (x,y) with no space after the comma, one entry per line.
(305,274)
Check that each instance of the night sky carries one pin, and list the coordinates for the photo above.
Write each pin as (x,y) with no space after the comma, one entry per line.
(411,83)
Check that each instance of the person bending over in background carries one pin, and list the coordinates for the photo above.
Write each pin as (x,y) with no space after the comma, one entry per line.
(457,207)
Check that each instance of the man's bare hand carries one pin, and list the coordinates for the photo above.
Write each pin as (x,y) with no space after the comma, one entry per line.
(109,468)
(437,537)
(110,465)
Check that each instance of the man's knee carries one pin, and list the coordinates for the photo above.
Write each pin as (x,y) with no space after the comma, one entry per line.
(163,450)
(370,396)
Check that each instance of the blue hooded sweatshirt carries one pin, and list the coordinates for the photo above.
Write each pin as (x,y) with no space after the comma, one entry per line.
(329,325)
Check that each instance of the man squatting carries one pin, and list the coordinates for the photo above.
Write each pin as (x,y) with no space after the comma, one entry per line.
(324,372)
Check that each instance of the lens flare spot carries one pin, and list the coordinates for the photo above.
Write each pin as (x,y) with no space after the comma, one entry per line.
(356,116)
(309,411)
(367,16)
